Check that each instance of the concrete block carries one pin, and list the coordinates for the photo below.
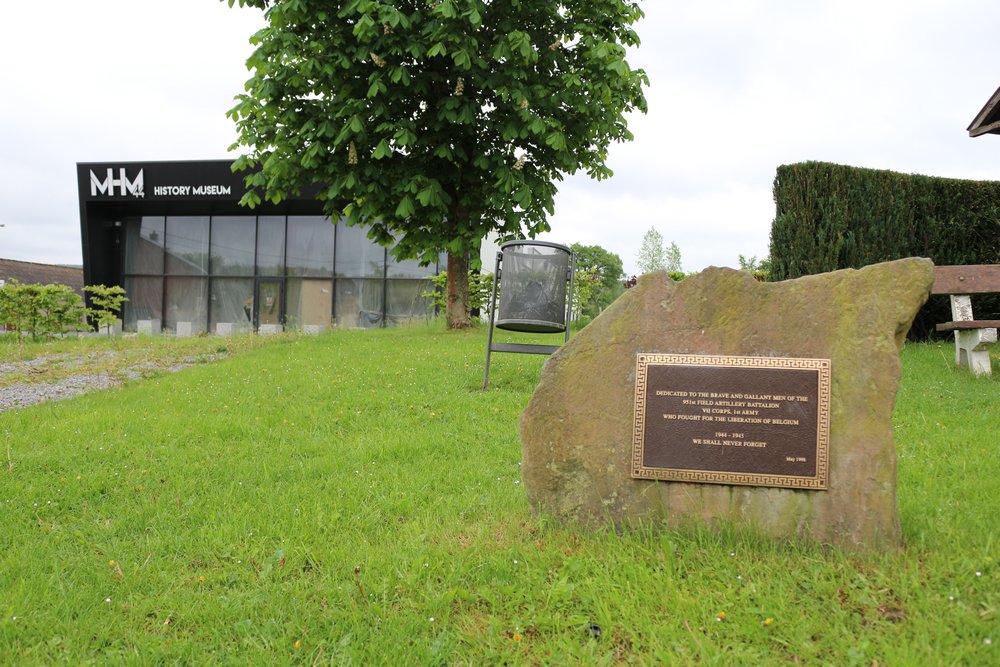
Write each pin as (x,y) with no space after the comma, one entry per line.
(147,327)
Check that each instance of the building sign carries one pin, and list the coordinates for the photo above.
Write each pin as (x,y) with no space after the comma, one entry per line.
(105,184)
(191,190)
(166,181)
(758,421)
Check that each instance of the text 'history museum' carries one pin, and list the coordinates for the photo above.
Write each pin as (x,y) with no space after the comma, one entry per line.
(192,260)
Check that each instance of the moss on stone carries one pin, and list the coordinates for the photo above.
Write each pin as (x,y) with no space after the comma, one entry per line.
(577,430)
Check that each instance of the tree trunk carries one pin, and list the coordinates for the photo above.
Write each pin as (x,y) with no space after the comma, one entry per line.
(458,291)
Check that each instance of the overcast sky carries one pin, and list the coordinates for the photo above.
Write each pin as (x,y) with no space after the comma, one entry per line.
(737,87)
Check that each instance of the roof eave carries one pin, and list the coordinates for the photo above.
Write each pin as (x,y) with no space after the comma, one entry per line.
(987,121)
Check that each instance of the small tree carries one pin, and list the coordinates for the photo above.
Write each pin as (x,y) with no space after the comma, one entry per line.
(760,269)
(40,310)
(651,256)
(106,304)
(480,285)
(672,259)
(585,285)
(13,308)
(62,309)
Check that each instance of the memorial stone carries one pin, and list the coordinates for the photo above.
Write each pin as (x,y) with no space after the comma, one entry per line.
(756,448)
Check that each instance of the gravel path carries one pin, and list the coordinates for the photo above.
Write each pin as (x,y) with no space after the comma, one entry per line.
(83,377)
(25,394)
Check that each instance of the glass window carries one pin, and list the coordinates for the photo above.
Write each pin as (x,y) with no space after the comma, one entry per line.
(270,304)
(186,303)
(144,245)
(187,246)
(357,255)
(233,241)
(405,302)
(358,303)
(145,302)
(271,245)
(310,246)
(310,303)
(232,305)
(409,268)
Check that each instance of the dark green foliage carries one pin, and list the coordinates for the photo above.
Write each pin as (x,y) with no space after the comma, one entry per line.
(830,217)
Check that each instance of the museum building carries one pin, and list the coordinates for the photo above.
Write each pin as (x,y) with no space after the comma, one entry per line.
(192,260)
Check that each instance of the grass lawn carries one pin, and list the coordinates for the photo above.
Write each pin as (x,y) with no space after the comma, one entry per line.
(354,498)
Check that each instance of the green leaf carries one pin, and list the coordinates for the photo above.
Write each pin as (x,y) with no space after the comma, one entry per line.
(250,199)
(446,8)
(431,195)
(461,59)
(383,150)
(523,196)
(403,137)
(557,140)
(405,208)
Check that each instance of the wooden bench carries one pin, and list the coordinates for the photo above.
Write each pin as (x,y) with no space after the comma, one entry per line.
(972,336)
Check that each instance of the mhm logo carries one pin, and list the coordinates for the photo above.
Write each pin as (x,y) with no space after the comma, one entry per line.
(108,185)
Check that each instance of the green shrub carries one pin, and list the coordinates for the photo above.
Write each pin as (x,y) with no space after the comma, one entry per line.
(106,303)
(40,311)
(759,269)
(480,285)
(830,217)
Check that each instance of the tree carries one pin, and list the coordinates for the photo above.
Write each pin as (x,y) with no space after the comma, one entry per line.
(434,122)
(40,310)
(600,271)
(761,269)
(672,259)
(480,287)
(651,257)
(107,304)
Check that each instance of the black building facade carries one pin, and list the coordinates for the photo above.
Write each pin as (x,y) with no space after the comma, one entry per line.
(192,260)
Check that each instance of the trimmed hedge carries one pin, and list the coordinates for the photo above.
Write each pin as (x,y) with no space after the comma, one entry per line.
(830,216)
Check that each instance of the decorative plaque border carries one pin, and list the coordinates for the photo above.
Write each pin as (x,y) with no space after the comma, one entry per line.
(816,482)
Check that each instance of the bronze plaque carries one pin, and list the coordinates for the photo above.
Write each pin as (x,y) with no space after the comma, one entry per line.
(756,421)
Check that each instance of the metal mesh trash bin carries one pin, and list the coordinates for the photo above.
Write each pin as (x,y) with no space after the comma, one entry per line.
(533,287)
(535,282)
